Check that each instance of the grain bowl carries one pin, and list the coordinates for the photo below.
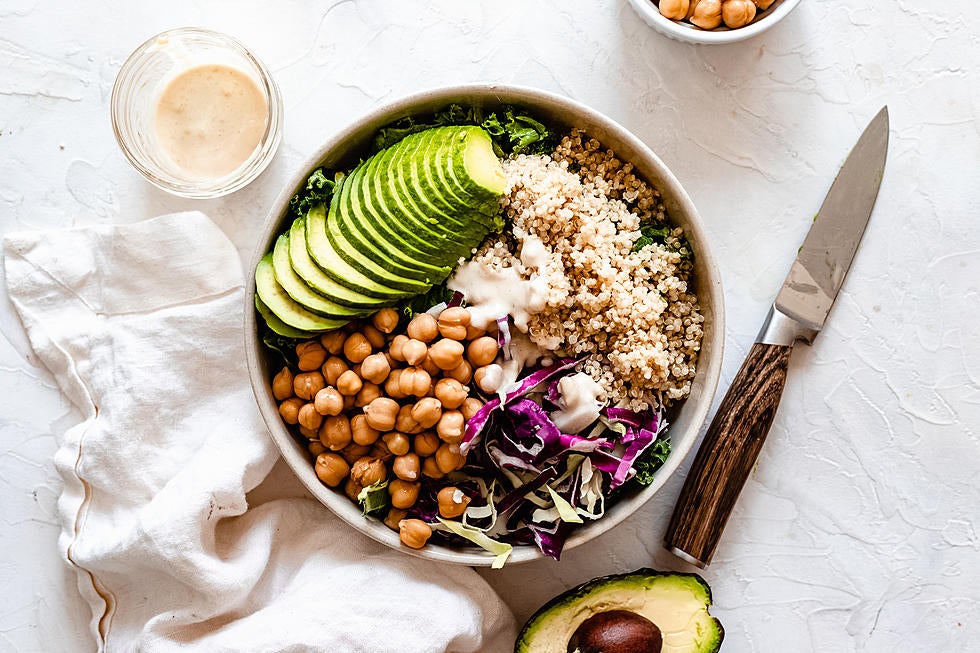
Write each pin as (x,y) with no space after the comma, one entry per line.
(683,30)
(411,435)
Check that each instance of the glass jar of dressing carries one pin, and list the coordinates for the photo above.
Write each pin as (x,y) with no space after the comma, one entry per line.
(196,113)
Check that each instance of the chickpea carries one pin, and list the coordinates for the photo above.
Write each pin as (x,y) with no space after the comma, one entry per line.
(331,468)
(368,471)
(282,385)
(393,517)
(333,368)
(446,354)
(706,14)
(369,392)
(674,9)
(414,351)
(354,452)
(352,489)
(395,349)
(333,341)
(414,533)
(381,413)
(373,336)
(450,393)
(469,407)
(474,332)
(430,367)
(489,377)
(349,383)
(423,327)
(328,401)
(335,432)
(309,434)
(427,411)
(415,381)
(361,431)
(396,442)
(307,384)
(407,467)
(453,323)
(431,469)
(452,502)
(375,368)
(310,355)
(462,373)
(308,418)
(404,494)
(426,443)
(450,427)
(737,13)
(315,447)
(404,421)
(482,351)
(289,410)
(349,402)
(393,386)
(385,320)
(357,347)
(448,458)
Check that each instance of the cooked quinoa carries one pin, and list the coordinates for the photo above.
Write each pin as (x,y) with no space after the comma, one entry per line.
(630,314)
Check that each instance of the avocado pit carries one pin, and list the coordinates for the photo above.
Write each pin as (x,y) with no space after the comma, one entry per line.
(616,631)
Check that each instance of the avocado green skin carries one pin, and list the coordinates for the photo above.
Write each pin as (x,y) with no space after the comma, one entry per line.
(279,303)
(410,232)
(320,281)
(335,266)
(362,234)
(525,641)
(300,292)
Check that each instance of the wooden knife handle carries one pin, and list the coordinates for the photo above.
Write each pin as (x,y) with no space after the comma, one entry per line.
(728,453)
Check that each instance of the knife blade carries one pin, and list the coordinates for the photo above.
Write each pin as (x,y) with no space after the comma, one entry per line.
(735,437)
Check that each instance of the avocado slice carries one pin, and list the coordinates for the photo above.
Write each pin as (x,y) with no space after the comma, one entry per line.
(277,325)
(676,603)
(370,265)
(466,167)
(362,233)
(301,293)
(335,266)
(418,231)
(400,196)
(282,306)
(318,280)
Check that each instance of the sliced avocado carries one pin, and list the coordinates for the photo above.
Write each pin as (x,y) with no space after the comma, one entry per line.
(677,604)
(415,230)
(370,265)
(301,293)
(470,166)
(335,266)
(399,196)
(282,306)
(318,280)
(361,232)
(277,325)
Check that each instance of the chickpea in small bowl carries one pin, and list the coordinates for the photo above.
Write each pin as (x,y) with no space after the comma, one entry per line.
(712,21)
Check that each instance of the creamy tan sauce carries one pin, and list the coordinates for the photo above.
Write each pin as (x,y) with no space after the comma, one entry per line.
(209,119)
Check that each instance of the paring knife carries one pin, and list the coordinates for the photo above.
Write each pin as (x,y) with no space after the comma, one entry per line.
(738,430)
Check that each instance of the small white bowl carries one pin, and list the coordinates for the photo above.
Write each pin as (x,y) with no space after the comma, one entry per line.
(345,148)
(683,31)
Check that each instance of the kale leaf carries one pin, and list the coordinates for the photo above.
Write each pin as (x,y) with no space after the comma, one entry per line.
(421,303)
(651,460)
(651,234)
(281,346)
(318,190)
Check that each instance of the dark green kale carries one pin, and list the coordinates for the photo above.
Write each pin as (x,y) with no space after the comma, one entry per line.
(651,460)
(318,190)
(281,347)
(657,234)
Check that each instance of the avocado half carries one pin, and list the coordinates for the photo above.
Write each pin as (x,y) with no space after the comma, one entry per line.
(677,603)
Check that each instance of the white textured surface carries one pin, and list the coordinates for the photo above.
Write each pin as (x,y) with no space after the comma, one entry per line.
(859,530)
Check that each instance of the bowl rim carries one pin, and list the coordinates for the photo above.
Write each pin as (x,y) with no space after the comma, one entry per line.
(652,16)
(672,191)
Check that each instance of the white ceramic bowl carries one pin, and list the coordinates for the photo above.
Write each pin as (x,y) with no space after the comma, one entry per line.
(683,31)
(342,150)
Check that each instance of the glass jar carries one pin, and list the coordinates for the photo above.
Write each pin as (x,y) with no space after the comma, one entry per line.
(136,94)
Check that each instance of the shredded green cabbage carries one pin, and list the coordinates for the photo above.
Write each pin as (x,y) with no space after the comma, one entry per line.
(500,549)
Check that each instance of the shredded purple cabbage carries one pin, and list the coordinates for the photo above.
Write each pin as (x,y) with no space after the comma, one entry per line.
(503,337)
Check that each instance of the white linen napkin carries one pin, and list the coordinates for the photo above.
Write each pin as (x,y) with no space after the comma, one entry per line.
(141,326)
